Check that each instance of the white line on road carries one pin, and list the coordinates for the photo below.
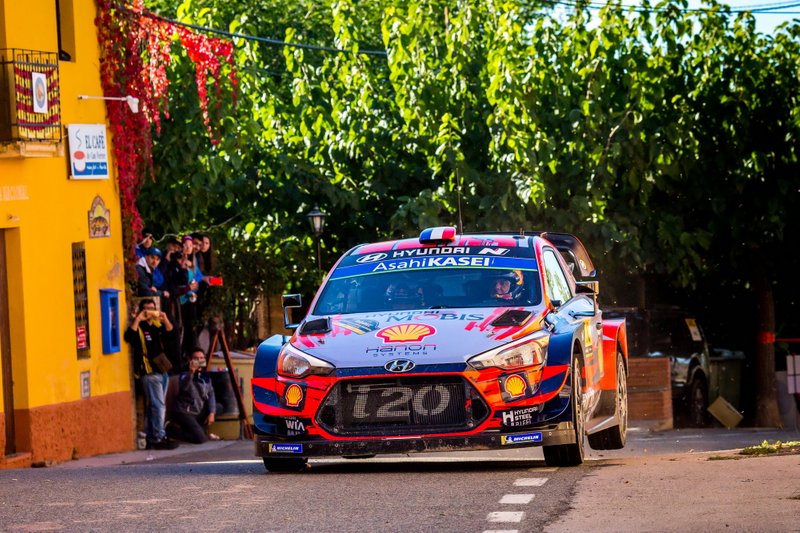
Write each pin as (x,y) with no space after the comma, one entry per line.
(517,498)
(530,482)
(501,531)
(506,516)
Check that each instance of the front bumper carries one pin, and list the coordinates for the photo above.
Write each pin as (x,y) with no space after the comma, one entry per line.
(270,446)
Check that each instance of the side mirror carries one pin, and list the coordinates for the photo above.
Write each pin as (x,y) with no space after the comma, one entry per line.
(589,287)
(290,301)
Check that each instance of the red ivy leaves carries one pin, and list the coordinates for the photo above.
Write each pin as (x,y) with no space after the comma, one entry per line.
(134,57)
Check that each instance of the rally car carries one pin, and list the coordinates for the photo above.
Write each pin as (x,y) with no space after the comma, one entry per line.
(445,342)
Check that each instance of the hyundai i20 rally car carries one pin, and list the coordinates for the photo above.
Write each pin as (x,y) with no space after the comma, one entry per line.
(446,342)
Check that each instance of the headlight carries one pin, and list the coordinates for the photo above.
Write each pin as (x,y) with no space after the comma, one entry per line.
(296,364)
(528,352)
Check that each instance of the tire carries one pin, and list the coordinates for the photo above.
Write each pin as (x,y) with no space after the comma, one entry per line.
(615,437)
(696,404)
(571,454)
(285,464)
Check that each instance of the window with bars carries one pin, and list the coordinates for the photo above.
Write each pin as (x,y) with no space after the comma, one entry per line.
(80,294)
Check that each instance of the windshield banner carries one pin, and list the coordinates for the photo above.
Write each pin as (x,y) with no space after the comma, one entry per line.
(424,263)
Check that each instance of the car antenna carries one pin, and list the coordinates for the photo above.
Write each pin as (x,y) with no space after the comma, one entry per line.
(458,195)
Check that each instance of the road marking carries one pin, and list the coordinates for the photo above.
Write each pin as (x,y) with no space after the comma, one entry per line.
(530,482)
(517,498)
(544,469)
(501,531)
(506,516)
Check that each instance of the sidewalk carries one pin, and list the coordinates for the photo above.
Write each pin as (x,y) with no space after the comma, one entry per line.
(143,456)
(687,492)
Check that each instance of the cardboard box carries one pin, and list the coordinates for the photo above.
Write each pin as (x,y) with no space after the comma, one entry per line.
(725,413)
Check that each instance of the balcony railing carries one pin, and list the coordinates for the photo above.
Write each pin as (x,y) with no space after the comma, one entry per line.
(30,101)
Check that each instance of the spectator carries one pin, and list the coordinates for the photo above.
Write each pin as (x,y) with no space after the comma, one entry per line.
(195,404)
(147,335)
(187,297)
(206,259)
(172,246)
(142,247)
(145,273)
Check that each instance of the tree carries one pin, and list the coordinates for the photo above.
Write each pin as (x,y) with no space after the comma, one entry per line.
(657,133)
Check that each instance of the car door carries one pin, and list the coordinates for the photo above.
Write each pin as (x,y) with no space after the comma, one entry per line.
(578,310)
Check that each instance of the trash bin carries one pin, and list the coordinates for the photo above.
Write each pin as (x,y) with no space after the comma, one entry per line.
(726,375)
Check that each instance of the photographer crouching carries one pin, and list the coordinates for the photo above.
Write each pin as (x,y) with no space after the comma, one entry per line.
(195,404)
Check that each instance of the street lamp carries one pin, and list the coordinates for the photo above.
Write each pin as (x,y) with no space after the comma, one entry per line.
(317,220)
(132,101)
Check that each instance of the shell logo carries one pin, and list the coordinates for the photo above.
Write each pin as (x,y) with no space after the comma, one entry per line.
(293,395)
(405,333)
(515,385)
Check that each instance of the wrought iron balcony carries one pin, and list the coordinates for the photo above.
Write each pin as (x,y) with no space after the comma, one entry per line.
(30,104)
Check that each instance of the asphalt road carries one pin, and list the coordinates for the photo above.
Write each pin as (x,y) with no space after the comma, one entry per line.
(221,487)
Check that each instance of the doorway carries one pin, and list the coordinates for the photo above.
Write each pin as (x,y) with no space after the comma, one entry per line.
(5,351)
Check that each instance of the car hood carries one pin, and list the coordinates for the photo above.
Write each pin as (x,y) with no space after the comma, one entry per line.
(425,337)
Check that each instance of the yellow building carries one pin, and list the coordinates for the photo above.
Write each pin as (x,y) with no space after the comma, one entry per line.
(65,380)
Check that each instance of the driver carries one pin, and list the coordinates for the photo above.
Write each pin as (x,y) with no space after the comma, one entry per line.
(507,286)
(404,296)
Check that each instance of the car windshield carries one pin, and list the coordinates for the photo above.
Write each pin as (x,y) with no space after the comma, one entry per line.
(434,288)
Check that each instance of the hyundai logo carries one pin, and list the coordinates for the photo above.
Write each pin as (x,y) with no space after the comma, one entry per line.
(371,258)
(399,365)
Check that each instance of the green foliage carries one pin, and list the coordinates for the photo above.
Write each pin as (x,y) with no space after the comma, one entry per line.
(667,139)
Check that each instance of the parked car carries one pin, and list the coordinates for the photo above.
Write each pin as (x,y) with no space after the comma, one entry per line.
(672,332)
(445,342)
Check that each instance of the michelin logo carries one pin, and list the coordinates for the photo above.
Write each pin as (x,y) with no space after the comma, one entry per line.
(285,448)
(521,438)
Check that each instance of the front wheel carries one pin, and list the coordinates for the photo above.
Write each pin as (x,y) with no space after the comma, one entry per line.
(570,454)
(285,464)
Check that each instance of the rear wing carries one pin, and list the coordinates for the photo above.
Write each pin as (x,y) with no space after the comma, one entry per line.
(572,248)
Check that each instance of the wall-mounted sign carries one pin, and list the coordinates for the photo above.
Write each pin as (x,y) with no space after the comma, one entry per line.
(86,384)
(99,219)
(39,84)
(88,151)
(81,338)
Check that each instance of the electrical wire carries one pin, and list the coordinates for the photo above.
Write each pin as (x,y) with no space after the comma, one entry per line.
(265,40)
(767,8)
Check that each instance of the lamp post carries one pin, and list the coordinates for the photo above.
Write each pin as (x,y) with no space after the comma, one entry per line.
(317,220)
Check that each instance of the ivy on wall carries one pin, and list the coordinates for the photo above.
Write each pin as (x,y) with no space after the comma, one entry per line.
(135,55)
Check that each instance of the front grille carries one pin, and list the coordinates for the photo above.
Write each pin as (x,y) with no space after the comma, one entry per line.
(401,406)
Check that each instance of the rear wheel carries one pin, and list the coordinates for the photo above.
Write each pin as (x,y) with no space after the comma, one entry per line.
(697,404)
(285,464)
(570,454)
(614,438)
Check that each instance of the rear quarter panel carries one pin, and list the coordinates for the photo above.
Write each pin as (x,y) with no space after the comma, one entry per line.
(614,341)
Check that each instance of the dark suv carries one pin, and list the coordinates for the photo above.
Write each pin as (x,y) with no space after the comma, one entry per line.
(674,333)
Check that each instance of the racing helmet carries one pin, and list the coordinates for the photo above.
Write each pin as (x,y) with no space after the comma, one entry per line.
(403,295)
(516,281)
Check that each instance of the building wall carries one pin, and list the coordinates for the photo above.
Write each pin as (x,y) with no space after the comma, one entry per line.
(42,212)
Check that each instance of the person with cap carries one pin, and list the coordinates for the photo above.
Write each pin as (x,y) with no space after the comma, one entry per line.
(144,274)
(145,244)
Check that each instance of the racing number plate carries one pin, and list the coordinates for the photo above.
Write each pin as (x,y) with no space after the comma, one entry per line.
(394,403)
